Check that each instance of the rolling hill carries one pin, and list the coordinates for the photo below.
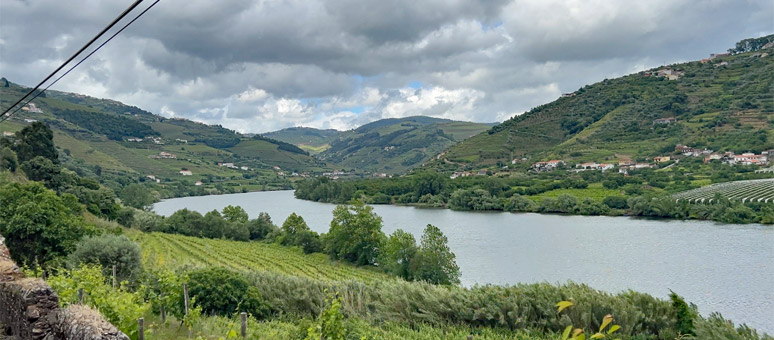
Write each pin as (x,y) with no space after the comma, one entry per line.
(384,146)
(310,139)
(128,140)
(724,103)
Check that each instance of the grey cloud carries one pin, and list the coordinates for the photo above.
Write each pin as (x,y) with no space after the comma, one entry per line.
(478,60)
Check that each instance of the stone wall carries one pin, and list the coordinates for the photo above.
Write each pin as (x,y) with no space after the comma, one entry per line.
(30,310)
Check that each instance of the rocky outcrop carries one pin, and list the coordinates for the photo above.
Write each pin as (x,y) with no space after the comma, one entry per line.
(30,310)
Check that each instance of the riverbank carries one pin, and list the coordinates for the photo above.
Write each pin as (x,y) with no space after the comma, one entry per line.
(651,256)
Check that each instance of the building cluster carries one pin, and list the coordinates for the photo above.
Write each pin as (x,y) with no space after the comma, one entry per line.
(548,165)
(457,174)
(713,56)
(666,73)
(153,178)
(594,166)
(665,120)
(32,108)
(152,139)
(747,158)
(164,155)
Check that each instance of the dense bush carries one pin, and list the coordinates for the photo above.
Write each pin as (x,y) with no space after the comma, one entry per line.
(221,291)
(38,225)
(108,251)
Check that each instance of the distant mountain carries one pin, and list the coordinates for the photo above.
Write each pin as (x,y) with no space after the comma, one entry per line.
(310,139)
(123,138)
(723,103)
(396,145)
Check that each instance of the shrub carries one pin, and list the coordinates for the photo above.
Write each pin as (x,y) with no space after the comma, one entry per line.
(261,227)
(109,250)
(221,291)
(615,202)
(38,225)
(8,159)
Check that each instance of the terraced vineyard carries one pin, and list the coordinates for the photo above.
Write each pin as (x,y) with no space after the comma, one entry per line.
(758,190)
(174,251)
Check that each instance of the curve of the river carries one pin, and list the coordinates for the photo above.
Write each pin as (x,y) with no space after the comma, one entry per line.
(719,267)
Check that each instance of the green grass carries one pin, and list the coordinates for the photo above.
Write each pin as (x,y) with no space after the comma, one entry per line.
(175,251)
(595,191)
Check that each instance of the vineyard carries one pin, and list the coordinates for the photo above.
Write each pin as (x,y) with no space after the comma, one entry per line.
(759,190)
(175,251)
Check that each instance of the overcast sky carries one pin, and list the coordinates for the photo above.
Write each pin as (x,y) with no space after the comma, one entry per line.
(258,66)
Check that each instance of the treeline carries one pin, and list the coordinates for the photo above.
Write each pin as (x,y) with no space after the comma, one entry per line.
(282,145)
(32,151)
(355,236)
(636,196)
(113,126)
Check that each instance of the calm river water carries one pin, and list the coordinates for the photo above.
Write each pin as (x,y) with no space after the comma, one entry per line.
(719,267)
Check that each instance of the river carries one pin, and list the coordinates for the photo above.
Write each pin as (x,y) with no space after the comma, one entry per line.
(719,267)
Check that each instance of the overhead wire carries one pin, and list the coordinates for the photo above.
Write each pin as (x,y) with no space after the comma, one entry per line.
(4,116)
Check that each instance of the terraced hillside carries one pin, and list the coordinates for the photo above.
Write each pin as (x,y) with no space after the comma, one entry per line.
(724,104)
(310,139)
(758,190)
(174,251)
(125,139)
(396,145)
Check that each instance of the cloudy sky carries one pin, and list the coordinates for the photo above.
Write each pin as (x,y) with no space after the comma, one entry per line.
(257,66)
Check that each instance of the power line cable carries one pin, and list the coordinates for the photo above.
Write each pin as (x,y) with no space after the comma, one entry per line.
(104,30)
(3,118)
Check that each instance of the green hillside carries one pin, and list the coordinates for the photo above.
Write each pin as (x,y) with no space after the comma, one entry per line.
(396,145)
(104,134)
(310,139)
(724,104)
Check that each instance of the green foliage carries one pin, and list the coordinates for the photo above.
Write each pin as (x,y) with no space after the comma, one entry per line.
(355,234)
(684,314)
(400,251)
(137,196)
(330,323)
(41,169)
(261,227)
(615,202)
(293,226)
(435,262)
(221,291)
(119,306)
(33,141)
(235,214)
(108,251)
(38,225)
(113,126)
(8,159)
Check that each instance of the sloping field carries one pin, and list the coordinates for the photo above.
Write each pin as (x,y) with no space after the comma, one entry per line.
(175,251)
(757,190)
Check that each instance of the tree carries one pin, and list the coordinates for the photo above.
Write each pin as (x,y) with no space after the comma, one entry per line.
(137,196)
(8,159)
(261,227)
(291,228)
(214,225)
(235,214)
(615,202)
(399,253)
(220,291)
(35,140)
(107,251)
(355,234)
(185,222)
(435,261)
(684,314)
(38,225)
(41,169)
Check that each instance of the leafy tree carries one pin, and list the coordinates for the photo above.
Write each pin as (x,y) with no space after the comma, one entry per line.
(8,159)
(147,221)
(399,253)
(137,196)
(107,251)
(220,291)
(35,140)
(435,261)
(41,169)
(38,225)
(291,228)
(235,214)
(214,224)
(684,315)
(185,222)
(330,323)
(355,234)
(261,227)
(309,241)
(615,202)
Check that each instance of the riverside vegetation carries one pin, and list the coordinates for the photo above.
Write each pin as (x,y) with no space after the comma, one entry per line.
(382,287)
